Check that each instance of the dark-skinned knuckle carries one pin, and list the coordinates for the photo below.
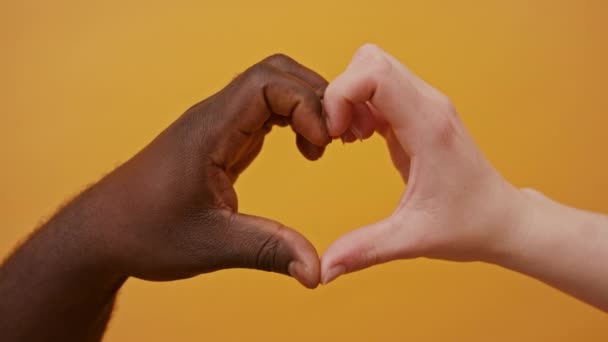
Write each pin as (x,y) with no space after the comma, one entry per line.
(266,257)
(258,74)
(321,89)
(278,59)
(304,99)
(311,101)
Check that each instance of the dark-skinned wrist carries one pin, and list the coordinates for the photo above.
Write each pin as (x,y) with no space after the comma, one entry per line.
(61,275)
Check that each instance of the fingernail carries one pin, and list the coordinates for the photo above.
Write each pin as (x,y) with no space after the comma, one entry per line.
(356,132)
(332,274)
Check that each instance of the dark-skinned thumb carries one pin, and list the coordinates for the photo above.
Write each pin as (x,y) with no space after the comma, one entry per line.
(263,244)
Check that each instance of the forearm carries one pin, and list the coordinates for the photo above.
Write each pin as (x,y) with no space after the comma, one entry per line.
(562,246)
(57,285)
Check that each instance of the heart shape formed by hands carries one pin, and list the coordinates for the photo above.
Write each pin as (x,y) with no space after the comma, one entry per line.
(183,181)
(171,212)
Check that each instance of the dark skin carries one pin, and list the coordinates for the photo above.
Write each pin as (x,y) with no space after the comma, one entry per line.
(169,213)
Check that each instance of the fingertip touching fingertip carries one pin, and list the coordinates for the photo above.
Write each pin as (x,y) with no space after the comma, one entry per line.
(332,273)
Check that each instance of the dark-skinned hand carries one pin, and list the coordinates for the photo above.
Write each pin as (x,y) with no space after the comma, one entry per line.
(177,213)
(170,212)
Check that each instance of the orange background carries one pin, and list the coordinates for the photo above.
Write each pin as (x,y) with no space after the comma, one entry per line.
(84,86)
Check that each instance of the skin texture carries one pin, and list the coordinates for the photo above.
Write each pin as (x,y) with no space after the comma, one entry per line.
(169,213)
(456,206)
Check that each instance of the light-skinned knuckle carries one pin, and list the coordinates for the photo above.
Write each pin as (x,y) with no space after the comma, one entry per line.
(447,104)
(374,60)
(531,192)
(368,49)
(444,131)
(381,66)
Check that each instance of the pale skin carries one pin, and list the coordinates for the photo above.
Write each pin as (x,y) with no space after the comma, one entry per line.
(456,206)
